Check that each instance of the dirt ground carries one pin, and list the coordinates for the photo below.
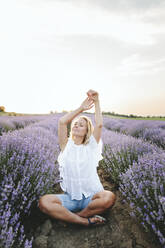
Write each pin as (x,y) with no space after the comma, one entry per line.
(120,231)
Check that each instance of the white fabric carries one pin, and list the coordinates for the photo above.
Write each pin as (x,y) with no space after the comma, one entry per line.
(78,168)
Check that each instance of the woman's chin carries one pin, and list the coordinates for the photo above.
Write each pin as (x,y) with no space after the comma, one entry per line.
(75,132)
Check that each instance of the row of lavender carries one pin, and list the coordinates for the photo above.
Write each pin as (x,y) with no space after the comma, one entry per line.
(28,169)
(138,168)
(152,131)
(11,123)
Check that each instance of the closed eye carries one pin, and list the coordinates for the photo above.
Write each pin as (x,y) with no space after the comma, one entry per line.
(80,124)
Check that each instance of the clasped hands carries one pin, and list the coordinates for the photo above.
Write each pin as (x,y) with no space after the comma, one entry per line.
(92,97)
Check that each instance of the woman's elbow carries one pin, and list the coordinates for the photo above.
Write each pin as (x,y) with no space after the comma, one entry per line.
(61,121)
(99,125)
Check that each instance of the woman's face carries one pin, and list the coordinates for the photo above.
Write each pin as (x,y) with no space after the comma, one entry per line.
(79,127)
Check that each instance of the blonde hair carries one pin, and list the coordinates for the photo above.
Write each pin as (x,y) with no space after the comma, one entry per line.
(90,128)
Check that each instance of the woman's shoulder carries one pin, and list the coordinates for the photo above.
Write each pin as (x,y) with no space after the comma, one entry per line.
(96,147)
(93,142)
(68,143)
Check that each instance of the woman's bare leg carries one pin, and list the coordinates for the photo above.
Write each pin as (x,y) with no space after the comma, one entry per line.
(51,205)
(100,202)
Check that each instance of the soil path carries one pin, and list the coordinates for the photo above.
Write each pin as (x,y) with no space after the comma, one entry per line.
(121,230)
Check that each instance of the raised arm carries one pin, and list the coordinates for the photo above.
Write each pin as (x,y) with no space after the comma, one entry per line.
(67,118)
(93,95)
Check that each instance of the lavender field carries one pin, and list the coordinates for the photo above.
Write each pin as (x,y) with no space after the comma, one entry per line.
(10,123)
(152,131)
(134,158)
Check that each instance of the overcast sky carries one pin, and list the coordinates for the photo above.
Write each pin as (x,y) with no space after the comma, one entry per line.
(53,51)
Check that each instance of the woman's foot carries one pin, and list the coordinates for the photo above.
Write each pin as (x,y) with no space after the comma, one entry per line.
(96,220)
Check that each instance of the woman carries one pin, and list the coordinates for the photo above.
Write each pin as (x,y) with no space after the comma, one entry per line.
(84,195)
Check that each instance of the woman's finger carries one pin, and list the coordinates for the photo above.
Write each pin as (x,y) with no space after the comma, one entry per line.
(89,107)
(91,92)
(91,102)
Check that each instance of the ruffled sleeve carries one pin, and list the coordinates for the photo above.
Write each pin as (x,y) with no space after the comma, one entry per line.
(96,147)
(61,160)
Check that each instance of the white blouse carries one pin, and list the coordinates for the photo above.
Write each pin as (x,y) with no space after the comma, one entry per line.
(78,168)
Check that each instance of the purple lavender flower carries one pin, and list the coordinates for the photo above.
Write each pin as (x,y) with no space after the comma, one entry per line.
(28,169)
(122,150)
(144,185)
(10,123)
(153,131)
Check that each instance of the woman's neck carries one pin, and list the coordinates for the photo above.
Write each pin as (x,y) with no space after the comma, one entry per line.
(78,140)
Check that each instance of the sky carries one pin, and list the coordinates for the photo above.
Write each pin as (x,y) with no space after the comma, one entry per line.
(53,51)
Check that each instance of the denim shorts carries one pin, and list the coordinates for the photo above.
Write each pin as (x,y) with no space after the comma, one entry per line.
(74,205)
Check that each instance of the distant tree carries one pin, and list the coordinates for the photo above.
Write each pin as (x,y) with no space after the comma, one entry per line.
(2,109)
(132,116)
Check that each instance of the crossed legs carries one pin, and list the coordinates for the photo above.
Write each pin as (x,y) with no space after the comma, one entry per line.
(51,205)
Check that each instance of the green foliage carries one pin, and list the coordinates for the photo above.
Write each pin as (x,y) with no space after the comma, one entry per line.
(2,109)
(131,116)
(118,162)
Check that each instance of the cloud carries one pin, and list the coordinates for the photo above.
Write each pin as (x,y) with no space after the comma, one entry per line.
(112,42)
(136,65)
(127,5)
(123,6)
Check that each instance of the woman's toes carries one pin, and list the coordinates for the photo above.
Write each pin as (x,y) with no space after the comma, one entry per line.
(96,219)
(100,218)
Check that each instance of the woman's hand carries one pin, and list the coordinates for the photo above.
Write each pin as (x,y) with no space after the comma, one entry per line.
(87,104)
(93,95)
